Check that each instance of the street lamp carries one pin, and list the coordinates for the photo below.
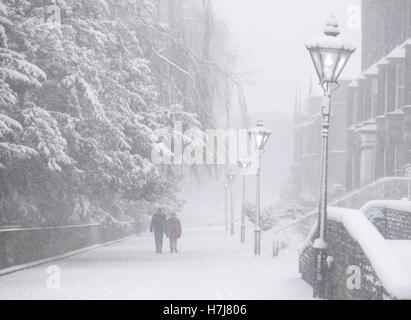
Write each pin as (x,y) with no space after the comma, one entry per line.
(329,55)
(231,177)
(225,186)
(243,165)
(259,137)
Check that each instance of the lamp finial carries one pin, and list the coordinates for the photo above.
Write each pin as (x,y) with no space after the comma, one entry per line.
(331,27)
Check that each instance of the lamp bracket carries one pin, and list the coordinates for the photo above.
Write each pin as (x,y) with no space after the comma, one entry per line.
(328,87)
(326,103)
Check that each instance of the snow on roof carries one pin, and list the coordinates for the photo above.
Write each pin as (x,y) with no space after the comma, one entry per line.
(356,80)
(397,111)
(312,119)
(391,272)
(372,71)
(369,121)
(353,84)
(370,127)
(406,42)
(382,62)
(364,123)
(397,53)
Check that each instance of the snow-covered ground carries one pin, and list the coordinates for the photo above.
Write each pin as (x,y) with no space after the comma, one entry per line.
(210,265)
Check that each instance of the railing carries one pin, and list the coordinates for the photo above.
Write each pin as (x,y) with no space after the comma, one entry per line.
(296,232)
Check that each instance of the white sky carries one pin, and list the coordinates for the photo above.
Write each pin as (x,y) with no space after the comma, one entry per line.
(272,34)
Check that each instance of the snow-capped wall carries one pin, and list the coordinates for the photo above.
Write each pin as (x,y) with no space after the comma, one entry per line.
(354,241)
(395,278)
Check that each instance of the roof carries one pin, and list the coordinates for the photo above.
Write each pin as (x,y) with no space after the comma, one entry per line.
(398,52)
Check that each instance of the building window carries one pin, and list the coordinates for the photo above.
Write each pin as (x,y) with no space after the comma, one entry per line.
(354,170)
(386,91)
(399,160)
(374,97)
(355,107)
(365,106)
(399,85)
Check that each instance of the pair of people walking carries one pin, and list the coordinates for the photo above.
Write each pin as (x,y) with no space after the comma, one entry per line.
(171,227)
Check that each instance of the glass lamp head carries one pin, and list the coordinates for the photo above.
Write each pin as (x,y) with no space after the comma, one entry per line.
(329,53)
(259,135)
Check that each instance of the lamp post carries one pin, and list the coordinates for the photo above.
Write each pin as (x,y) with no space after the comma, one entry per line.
(225,186)
(329,55)
(231,177)
(243,165)
(259,137)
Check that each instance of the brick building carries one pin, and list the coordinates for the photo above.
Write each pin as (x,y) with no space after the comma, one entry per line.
(379,99)
(307,144)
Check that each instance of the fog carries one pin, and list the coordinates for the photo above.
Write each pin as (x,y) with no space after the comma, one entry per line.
(269,37)
(184,150)
(272,35)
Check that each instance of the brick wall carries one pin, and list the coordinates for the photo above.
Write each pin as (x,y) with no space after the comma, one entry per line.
(406,129)
(392,224)
(385,24)
(345,252)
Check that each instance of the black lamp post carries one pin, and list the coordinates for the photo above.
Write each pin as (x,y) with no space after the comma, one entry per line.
(329,55)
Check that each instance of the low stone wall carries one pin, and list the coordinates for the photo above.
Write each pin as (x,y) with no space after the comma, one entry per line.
(345,253)
(24,245)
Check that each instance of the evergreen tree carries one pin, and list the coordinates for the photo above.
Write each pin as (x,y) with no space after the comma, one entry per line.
(116,72)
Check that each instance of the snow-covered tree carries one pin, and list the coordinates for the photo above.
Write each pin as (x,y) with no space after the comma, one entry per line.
(116,72)
(16,74)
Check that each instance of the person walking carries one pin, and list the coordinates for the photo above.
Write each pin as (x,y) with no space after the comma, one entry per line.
(173,231)
(157,225)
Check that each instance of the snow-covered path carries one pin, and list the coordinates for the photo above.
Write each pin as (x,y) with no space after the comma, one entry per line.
(210,265)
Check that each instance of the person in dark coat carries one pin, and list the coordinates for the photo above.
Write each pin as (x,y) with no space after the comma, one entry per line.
(173,231)
(157,225)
